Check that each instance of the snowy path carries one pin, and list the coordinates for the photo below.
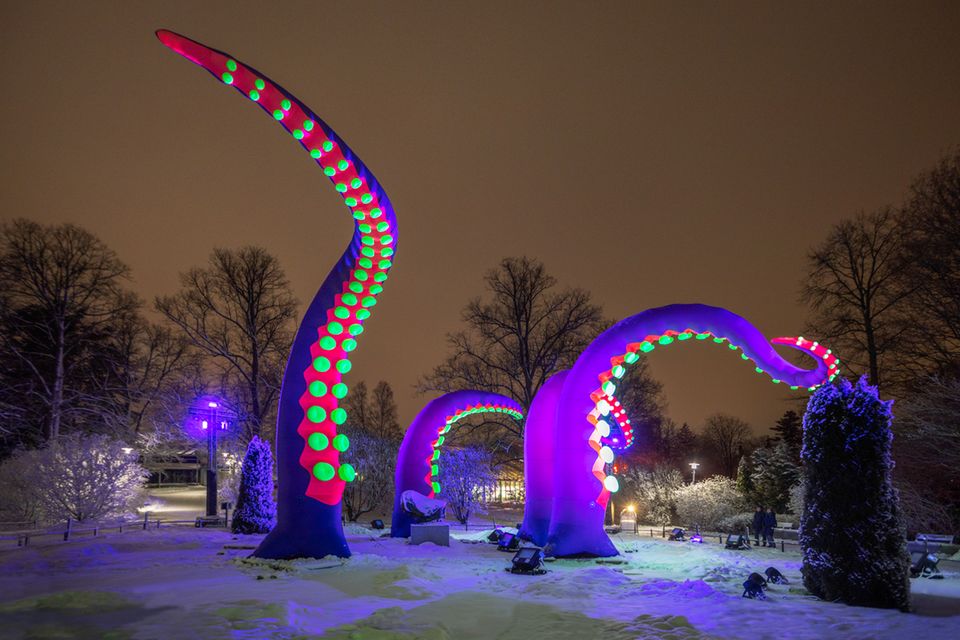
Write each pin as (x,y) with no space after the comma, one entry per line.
(183,583)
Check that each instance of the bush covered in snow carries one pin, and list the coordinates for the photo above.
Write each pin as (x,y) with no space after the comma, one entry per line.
(81,477)
(737,523)
(851,532)
(797,492)
(708,502)
(256,510)
(654,492)
(464,474)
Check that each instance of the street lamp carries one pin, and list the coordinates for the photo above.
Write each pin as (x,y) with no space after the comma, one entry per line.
(212,416)
(693,466)
(210,427)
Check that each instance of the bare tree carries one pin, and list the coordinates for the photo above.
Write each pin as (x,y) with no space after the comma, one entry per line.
(238,311)
(357,405)
(924,510)
(383,414)
(374,413)
(375,436)
(724,438)
(62,294)
(642,397)
(928,430)
(854,286)
(145,367)
(374,459)
(524,332)
(931,227)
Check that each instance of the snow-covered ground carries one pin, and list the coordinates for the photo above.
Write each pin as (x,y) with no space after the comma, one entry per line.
(194,583)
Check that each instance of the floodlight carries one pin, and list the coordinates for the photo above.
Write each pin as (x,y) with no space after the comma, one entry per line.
(528,561)
(508,542)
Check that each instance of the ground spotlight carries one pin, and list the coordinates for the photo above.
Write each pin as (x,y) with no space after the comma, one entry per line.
(508,542)
(926,567)
(735,541)
(528,561)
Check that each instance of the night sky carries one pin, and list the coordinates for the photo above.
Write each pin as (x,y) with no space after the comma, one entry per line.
(647,152)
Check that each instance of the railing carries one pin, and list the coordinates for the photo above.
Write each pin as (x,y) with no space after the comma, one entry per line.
(73,529)
(706,536)
(18,524)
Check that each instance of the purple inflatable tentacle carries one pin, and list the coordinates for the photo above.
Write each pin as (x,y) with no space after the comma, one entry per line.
(312,476)
(539,435)
(580,496)
(417,448)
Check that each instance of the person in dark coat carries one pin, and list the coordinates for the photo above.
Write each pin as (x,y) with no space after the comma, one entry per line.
(769,522)
(758,517)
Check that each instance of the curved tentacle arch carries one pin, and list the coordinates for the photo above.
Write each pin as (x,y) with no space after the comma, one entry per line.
(610,407)
(419,456)
(586,404)
(311,475)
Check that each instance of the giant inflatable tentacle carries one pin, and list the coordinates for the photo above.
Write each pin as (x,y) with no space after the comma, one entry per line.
(615,412)
(419,457)
(538,459)
(582,485)
(311,475)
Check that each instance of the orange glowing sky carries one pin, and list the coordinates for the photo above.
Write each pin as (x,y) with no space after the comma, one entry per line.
(649,152)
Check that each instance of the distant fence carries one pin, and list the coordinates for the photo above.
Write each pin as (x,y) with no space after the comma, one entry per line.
(707,536)
(72,529)
(18,524)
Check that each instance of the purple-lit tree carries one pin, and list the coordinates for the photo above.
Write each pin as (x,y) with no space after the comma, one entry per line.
(256,510)
(851,531)
(464,474)
(81,477)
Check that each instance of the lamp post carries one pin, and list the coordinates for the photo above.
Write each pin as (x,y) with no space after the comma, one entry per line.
(693,480)
(210,426)
(210,415)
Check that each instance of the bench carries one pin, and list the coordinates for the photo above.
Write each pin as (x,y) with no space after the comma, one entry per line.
(435,532)
(786,534)
(210,521)
(939,538)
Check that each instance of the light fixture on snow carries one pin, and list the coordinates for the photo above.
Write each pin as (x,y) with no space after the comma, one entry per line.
(528,561)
